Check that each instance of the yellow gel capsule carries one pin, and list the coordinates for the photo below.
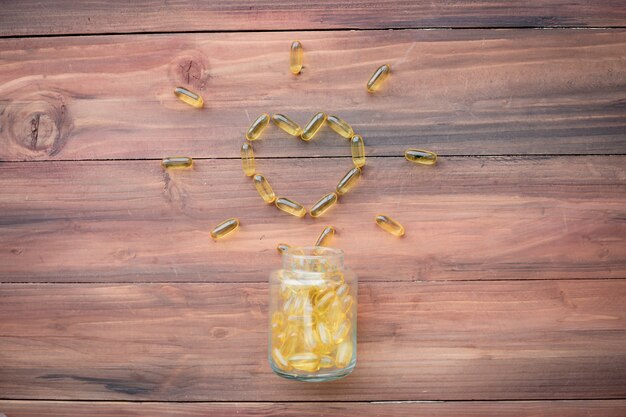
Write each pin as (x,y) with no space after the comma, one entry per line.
(323,301)
(344,354)
(323,334)
(378,77)
(347,302)
(189,97)
(291,344)
(258,126)
(323,204)
(390,225)
(286,124)
(326,236)
(295,57)
(264,188)
(342,290)
(177,162)
(282,247)
(309,338)
(290,206)
(313,126)
(348,181)
(340,126)
(224,228)
(305,361)
(419,156)
(247,159)
(326,361)
(357,147)
(335,314)
(342,331)
(278,320)
(280,360)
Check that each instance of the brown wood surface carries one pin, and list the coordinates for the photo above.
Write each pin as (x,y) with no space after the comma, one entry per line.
(31,17)
(607,408)
(417,341)
(478,218)
(457,92)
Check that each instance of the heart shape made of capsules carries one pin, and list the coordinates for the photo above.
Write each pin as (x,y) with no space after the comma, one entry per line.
(340,126)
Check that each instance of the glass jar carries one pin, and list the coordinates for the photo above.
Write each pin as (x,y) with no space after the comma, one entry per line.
(312,310)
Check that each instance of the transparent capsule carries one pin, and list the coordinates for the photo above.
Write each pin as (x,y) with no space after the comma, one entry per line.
(280,360)
(292,343)
(342,330)
(189,97)
(264,188)
(347,302)
(224,228)
(258,126)
(247,159)
(323,334)
(313,126)
(357,147)
(348,181)
(326,236)
(326,361)
(290,206)
(419,156)
(340,126)
(286,124)
(378,77)
(282,247)
(305,361)
(323,204)
(335,314)
(177,162)
(310,339)
(342,290)
(344,354)
(390,225)
(295,57)
(323,300)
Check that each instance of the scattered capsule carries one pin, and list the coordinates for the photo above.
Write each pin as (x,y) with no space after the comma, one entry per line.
(177,162)
(295,58)
(290,206)
(247,159)
(358,151)
(313,126)
(378,77)
(286,124)
(419,156)
(340,126)
(390,225)
(258,126)
(280,360)
(323,204)
(189,97)
(264,188)
(306,361)
(348,181)
(326,236)
(224,228)
(282,247)
(344,353)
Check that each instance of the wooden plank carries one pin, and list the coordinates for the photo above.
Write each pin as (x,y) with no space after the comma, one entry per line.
(31,17)
(479,218)
(606,408)
(463,92)
(417,341)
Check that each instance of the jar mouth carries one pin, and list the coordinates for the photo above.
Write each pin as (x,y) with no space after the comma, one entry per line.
(318,259)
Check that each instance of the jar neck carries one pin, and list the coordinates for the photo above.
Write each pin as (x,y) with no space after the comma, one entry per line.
(308,259)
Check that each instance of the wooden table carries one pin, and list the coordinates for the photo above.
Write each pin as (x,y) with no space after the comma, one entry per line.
(506,297)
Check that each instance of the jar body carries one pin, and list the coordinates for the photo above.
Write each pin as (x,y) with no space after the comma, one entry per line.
(313,315)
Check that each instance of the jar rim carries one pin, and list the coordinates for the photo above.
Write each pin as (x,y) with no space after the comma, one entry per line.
(313,252)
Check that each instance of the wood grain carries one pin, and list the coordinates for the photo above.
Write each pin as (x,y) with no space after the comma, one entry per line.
(31,17)
(479,218)
(417,341)
(606,408)
(458,92)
